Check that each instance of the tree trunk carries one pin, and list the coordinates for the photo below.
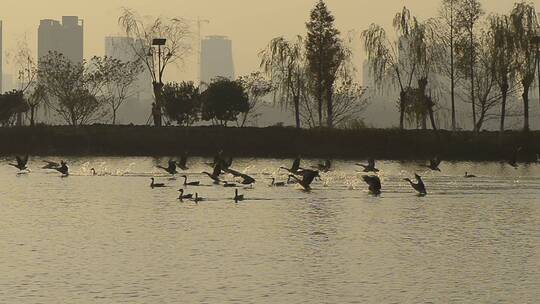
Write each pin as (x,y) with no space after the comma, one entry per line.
(525,96)
(297,110)
(472,80)
(320,108)
(114,117)
(32,110)
(19,120)
(330,108)
(452,76)
(401,109)
(158,87)
(503,107)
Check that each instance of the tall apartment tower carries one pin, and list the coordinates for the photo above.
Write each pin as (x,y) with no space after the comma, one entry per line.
(121,48)
(65,37)
(216,58)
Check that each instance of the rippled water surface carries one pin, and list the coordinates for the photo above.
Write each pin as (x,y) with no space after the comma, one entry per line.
(111,239)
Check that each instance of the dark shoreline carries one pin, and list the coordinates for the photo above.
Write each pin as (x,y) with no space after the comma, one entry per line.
(276,142)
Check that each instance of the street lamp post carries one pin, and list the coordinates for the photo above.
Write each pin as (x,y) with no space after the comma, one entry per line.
(536,41)
(158,84)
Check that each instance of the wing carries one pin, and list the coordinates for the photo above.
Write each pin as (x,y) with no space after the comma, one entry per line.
(234,172)
(309,176)
(247,178)
(217,170)
(296,164)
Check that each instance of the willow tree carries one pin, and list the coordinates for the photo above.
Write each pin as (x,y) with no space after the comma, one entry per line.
(425,53)
(285,64)
(525,27)
(388,58)
(503,52)
(142,32)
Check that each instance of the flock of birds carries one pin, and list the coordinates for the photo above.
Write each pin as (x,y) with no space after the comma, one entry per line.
(296,174)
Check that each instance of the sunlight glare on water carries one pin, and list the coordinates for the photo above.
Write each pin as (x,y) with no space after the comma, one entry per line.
(110,238)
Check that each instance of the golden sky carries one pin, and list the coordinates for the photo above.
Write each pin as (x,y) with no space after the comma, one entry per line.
(249,23)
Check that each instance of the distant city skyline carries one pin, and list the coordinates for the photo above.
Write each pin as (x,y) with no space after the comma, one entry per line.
(250,24)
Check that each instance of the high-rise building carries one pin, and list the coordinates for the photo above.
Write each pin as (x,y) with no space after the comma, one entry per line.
(216,58)
(65,37)
(121,48)
(1,58)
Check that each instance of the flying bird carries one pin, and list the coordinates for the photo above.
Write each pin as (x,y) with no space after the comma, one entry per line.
(419,186)
(307,179)
(246,179)
(50,165)
(21,163)
(295,168)
(374,183)
(64,169)
(171,168)
(215,174)
(434,164)
(370,167)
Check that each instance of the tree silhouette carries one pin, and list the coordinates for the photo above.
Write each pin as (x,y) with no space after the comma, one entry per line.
(182,102)
(119,80)
(388,59)
(526,28)
(72,88)
(223,101)
(143,31)
(325,55)
(285,64)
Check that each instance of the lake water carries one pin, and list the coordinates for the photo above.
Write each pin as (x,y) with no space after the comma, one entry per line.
(111,239)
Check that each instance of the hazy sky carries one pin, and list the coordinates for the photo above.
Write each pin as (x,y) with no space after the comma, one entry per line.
(249,23)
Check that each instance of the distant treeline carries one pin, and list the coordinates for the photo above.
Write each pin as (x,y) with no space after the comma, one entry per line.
(275,142)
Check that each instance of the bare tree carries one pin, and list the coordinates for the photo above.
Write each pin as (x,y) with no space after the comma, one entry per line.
(447,31)
(349,101)
(72,88)
(468,15)
(285,63)
(119,80)
(256,87)
(178,37)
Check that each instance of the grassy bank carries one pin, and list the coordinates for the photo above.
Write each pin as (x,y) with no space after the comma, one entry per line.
(265,142)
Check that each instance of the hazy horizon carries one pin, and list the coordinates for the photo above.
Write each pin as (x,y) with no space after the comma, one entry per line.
(249,24)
